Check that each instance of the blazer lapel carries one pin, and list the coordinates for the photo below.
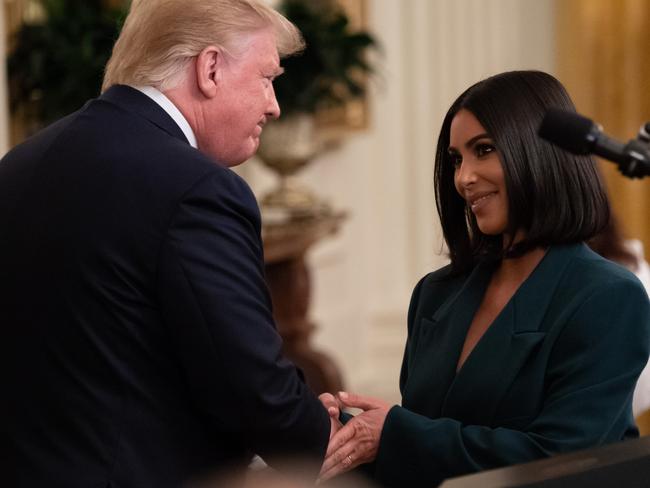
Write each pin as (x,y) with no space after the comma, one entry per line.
(442,336)
(135,101)
(500,354)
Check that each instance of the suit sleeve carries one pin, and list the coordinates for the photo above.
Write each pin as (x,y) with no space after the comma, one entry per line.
(217,306)
(590,379)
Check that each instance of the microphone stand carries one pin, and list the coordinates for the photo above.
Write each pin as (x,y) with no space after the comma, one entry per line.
(637,151)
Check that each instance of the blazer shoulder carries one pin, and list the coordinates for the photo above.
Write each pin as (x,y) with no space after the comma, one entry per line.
(433,290)
(591,271)
(443,278)
(598,293)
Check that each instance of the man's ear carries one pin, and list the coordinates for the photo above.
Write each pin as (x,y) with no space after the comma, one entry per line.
(209,66)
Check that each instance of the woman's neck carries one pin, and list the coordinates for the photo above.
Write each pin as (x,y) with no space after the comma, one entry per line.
(517,269)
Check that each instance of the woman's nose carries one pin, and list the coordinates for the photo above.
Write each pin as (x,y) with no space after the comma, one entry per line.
(465,173)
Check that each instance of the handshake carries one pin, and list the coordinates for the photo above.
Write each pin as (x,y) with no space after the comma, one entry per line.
(357,441)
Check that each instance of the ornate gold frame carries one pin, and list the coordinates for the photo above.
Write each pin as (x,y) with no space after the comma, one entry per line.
(353,115)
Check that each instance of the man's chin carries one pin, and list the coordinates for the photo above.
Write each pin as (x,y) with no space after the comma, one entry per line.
(244,156)
(232,158)
(255,145)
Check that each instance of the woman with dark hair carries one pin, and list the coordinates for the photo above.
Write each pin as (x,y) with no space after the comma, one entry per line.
(528,343)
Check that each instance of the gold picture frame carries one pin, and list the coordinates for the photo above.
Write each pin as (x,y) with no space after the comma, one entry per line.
(354,115)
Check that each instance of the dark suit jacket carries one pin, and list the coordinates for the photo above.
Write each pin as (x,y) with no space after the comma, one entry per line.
(138,346)
(555,372)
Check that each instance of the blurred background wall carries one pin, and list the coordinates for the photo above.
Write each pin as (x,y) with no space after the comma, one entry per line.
(382,175)
(604,60)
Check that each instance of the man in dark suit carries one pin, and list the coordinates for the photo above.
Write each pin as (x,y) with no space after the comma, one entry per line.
(138,346)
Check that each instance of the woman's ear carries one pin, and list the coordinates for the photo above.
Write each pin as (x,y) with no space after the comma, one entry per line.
(209,65)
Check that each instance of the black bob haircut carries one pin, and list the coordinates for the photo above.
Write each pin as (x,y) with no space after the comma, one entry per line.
(554,196)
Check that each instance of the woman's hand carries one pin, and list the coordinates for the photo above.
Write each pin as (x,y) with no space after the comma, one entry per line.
(357,442)
(332,405)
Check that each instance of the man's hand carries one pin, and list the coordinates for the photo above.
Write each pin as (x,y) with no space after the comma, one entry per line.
(358,441)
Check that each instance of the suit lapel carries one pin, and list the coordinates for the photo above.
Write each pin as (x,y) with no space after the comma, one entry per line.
(500,354)
(137,102)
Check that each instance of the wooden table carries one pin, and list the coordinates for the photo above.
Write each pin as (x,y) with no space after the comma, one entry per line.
(287,274)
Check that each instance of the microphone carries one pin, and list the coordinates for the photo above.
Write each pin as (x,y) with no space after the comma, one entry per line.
(580,135)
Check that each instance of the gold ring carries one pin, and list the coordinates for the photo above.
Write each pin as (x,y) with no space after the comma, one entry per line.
(348,458)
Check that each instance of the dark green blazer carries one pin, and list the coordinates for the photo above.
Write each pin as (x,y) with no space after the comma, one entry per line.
(555,371)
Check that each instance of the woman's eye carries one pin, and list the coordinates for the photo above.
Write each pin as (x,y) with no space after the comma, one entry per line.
(455,159)
(484,149)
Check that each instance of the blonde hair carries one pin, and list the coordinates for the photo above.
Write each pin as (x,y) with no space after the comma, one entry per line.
(160,37)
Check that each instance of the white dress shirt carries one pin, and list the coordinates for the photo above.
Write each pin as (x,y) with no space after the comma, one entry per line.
(167,105)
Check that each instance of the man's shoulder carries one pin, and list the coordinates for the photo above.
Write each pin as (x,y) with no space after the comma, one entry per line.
(120,149)
(132,143)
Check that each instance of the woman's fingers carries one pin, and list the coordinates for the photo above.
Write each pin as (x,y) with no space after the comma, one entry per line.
(342,437)
(358,401)
(331,403)
(340,461)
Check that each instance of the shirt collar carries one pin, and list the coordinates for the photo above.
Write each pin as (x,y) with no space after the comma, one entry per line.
(167,105)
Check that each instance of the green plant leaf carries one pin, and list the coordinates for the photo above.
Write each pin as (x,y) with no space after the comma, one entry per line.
(57,65)
(328,71)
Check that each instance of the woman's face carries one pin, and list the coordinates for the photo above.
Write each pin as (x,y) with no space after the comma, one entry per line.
(478,175)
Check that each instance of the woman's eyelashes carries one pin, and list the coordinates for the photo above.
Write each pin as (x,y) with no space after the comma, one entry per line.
(455,158)
(480,149)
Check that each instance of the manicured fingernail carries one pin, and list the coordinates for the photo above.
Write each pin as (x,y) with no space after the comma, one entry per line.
(343,394)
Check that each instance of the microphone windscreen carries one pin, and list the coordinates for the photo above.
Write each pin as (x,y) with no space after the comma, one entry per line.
(568,130)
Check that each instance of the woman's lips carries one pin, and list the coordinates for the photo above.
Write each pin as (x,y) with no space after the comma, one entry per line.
(479,201)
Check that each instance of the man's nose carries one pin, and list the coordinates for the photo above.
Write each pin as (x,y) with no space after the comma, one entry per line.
(273,110)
